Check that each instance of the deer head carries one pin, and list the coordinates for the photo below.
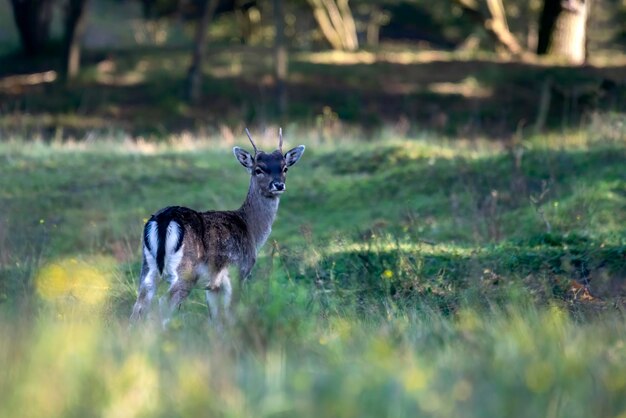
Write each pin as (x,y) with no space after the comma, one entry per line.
(268,170)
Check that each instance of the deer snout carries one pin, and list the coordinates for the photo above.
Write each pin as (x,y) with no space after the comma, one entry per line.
(278,186)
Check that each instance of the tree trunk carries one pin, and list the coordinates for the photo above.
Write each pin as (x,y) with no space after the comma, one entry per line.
(244,23)
(336,22)
(377,19)
(194,75)
(32,19)
(281,58)
(75,22)
(495,23)
(562,29)
(147,9)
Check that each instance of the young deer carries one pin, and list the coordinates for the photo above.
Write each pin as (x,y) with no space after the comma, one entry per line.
(189,247)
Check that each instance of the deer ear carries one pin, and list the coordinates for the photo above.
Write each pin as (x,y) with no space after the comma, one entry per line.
(293,155)
(244,157)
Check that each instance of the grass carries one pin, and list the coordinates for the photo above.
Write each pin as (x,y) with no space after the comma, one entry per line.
(406,277)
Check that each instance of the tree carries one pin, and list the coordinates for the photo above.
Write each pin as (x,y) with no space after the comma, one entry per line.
(32,18)
(336,22)
(494,22)
(562,29)
(194,75)
(75,19)
(280,56)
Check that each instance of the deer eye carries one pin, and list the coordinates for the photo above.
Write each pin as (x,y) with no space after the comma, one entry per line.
(258,171)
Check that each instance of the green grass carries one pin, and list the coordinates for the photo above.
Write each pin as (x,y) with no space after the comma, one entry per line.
(407,277)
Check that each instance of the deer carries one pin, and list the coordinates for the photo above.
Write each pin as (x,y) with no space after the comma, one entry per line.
(190,248)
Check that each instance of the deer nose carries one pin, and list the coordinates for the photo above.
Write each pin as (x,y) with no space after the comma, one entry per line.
(278,185)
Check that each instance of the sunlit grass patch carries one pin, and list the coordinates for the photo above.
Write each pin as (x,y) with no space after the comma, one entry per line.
(133,387)
(76,284)
(406,278)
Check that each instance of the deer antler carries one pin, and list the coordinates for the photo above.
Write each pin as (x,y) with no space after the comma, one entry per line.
(251,141)
(280,139)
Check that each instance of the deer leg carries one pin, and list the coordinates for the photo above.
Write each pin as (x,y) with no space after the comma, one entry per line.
(245,270)
(147,289)
(212,301)
(219,288)
(227,290)
(227,294)
(209,281)
(182,279)
(176,294)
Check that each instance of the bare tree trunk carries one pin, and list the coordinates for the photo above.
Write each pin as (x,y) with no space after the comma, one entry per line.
(376,20)
(532,25)
(244,22)
(32,19)
(349,27)
(562,29)
(336,22)
(75,22)
(495,24)
(194,75)
(281,58)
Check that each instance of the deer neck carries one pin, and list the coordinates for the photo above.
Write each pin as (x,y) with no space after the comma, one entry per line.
(259,212)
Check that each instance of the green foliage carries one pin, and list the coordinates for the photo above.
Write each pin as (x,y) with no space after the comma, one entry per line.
(403,278)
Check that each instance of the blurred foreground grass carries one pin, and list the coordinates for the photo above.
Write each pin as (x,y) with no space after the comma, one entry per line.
(521,361)
(410,277)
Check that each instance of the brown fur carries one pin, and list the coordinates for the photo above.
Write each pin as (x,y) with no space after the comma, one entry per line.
(215,240)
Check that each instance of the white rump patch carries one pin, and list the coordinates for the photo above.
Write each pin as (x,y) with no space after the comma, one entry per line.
(172,236)
(172,257)
(153,237)
(153,242)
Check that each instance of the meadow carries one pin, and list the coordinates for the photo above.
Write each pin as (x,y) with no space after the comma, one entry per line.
(404,277)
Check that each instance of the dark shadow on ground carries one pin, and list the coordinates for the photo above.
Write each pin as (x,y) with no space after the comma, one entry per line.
(473,97)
